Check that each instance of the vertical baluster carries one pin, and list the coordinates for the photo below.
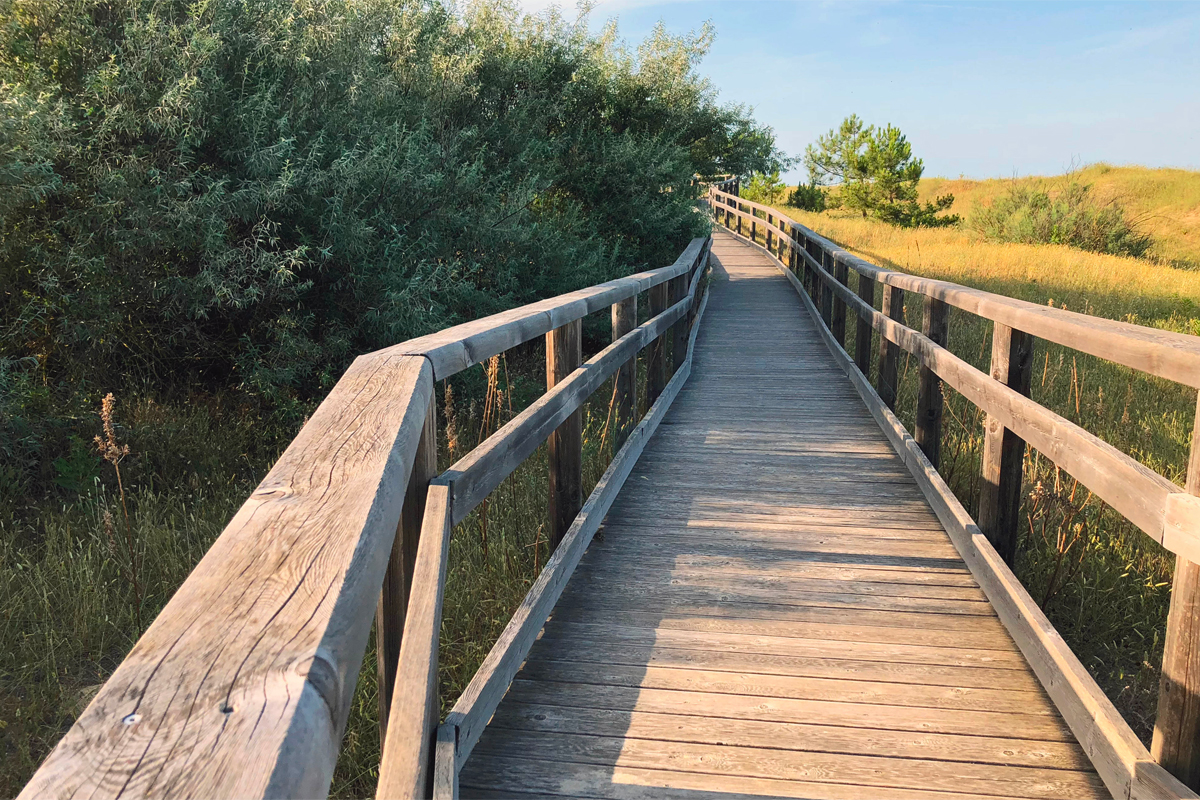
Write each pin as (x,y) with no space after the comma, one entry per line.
(826,290)
(1003,450)
(624,320)
(930,401)
(838,318)
(889,352)
(564,354)
(679,331)
(656,356)
(863,332)
(397,581)
(1176,743)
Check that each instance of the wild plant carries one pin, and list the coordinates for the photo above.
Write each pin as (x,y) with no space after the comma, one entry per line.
(114,452)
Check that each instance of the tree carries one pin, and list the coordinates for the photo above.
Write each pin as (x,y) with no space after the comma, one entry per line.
(876,172)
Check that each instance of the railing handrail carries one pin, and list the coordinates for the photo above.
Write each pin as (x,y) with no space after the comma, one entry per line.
(406,765)
(1165,354)
(242,685)
(1166,512)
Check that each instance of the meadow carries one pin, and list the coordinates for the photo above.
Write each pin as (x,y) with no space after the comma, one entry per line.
(1104,584)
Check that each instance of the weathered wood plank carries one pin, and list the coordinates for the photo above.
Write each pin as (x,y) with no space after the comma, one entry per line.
(564,447)
(861,771)
(624,320)
(473,709)
(1003,451)
(813,738)
(1119,757)
(406,763)
(397,581)
(1176,743)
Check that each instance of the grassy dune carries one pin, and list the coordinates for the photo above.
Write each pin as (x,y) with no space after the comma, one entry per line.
(1103,583)
(1162,202)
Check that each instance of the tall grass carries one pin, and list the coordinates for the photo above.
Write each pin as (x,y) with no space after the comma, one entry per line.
(73,607)
(1164,202)
(1103,583)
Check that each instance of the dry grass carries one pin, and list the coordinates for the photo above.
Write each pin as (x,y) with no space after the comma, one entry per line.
(1103,583)
(1162,202)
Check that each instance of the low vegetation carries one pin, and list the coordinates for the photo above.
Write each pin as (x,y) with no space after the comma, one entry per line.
(1104,584)
(1163,204)
(210,209)
(1063,214)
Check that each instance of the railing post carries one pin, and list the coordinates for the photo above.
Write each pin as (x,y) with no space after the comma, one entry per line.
(838,319)
(397,581)
(679,331)
(930,401)
(1003,450)
(753,227)
(889,352)
(656,356)
(624,320)
(1176,743)
(826,289)
(564,354)
(739,219)
(767,231)
(863,332)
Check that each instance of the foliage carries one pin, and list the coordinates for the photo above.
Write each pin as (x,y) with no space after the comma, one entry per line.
(809,197)
(1036,214)
(244,194)
(763,188)
(1163,202)
(876,172)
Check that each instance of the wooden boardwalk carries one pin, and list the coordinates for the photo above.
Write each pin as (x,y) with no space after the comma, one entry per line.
(772,609)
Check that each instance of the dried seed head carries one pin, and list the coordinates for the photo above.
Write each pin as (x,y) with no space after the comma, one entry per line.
(110,449)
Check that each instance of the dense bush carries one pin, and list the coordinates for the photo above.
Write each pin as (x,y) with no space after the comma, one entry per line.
(243,194)
(1069,215)
(808,198)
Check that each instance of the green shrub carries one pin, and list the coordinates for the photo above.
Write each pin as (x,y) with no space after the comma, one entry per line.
(763,188)
(241,195)
(1034,214)
(808,198)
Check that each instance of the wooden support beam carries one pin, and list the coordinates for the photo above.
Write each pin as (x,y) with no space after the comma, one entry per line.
(826,291)
(863,332)
(1003,450)
(930,401)
(397,581)
(679,331)
(1176,743)
(656,353)
(564,354)
(889,352)
(838,318)
(624,319)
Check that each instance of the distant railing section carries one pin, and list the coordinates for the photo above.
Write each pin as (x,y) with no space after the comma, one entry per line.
(242,686)
(1165,512)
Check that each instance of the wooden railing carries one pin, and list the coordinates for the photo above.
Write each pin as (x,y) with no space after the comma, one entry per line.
(1168,514)
(242,685)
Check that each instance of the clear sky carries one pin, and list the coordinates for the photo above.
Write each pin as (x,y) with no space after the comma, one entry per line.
(981,89)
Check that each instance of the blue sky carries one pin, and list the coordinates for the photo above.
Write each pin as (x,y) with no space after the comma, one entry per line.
(981,89)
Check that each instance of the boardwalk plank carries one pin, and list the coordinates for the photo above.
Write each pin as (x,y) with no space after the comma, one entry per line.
(772,609)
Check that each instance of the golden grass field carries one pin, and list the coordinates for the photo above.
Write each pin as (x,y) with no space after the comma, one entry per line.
(1162,202)
(1103,583)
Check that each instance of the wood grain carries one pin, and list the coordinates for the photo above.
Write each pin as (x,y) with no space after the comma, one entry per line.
(242,685)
